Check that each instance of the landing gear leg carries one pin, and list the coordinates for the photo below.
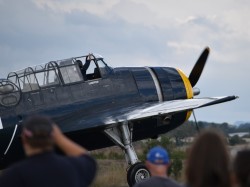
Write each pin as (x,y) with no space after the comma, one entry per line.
(122,136)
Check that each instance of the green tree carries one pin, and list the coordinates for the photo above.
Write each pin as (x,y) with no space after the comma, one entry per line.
(177,157)
(235,140)
(188,129)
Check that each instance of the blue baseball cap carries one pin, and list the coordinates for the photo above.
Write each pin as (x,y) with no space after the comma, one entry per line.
(158,155)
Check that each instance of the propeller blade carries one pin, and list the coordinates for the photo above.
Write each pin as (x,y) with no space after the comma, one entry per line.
(198,67)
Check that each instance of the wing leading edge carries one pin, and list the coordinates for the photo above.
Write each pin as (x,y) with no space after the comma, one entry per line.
(167,107)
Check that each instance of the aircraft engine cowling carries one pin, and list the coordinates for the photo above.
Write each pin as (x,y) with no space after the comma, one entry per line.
(163,84)
(174,84)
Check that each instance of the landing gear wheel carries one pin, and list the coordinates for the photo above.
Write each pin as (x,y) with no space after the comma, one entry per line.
(137,173)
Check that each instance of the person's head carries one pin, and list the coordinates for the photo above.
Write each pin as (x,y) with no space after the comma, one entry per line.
(157,161)
(37,133)
(241,168)
(208,161)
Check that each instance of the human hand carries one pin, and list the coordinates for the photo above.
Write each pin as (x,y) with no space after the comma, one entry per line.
(65,144)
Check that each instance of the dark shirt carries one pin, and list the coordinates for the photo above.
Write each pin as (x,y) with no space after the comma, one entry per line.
(158,182)
(49,169)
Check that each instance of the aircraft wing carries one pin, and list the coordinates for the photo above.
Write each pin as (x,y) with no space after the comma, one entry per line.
(109,117)
(166,107)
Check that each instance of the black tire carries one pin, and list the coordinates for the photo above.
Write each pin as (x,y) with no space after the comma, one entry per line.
(137,173)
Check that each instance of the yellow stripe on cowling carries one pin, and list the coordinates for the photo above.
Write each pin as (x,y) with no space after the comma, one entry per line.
(189,90)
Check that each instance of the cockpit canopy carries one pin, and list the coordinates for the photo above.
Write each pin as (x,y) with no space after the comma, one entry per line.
(54,73)
(60,72)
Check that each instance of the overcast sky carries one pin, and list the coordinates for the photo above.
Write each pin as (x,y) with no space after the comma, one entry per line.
(138,33)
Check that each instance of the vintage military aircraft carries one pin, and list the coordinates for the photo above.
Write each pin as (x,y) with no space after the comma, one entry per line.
(100,106)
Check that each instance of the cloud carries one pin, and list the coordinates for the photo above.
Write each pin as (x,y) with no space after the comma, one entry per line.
(97,7)
(180,47)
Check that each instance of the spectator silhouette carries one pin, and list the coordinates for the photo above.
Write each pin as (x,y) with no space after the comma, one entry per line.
(158,162)
(208,161)
(241,168)
(43,167)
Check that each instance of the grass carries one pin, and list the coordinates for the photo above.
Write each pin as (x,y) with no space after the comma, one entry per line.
(111,173)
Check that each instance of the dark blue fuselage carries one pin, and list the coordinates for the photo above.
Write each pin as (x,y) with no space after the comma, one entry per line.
(79,107)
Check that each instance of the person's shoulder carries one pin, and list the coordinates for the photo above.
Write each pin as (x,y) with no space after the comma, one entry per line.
(160,181)
(169,182)
(18,166)
(173,183)
(11,176)
(84,161)
(152,181)
(85,166)
(83,158)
